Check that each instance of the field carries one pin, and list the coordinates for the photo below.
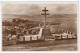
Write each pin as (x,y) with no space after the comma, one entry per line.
(54,45)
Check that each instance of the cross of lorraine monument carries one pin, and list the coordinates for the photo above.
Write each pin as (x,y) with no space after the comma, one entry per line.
(46,30)
(45,15)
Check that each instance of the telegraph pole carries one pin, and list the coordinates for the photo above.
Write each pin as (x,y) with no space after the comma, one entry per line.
(45,15)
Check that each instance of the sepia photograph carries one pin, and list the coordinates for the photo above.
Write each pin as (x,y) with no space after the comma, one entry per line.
(39,26)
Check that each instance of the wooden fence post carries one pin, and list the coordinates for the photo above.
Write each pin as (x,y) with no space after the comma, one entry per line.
(61,36)
(37,37)
(67,36)
(23,38)
(30,38)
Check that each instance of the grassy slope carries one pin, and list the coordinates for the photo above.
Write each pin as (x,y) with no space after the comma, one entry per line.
(68,21)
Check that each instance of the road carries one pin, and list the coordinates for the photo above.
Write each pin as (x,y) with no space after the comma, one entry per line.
(54,45)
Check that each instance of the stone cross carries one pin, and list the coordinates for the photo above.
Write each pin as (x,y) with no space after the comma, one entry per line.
(45,15)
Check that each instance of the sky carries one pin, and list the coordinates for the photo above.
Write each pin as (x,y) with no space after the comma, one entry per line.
(35,8)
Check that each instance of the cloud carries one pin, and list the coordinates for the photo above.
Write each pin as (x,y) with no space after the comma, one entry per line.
(36,9)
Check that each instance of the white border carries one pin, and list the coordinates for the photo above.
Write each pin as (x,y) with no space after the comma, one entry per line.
(39,0)
(0,29)
(78,25)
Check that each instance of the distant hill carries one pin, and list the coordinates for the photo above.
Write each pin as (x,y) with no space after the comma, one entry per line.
(11,16)
(64,16)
